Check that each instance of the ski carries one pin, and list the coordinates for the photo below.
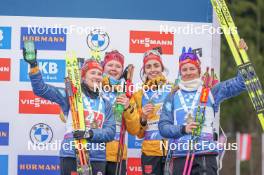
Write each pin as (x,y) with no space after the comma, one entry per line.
(168,163)
(245,67)
(73,89)
(128,76)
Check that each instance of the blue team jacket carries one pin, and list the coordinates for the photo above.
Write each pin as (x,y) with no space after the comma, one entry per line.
(172,116)
(100,136)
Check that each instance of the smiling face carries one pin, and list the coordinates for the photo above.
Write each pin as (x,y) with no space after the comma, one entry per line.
(93,79)
(189,72)
(114,69)
(153,69)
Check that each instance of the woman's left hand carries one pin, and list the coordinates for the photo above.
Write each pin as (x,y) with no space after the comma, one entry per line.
(123,100)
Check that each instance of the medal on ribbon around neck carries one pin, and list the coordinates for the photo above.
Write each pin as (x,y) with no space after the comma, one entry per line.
(91,123)
(88,120)
(94,125)
(150,101)
(151,114)
(189,118)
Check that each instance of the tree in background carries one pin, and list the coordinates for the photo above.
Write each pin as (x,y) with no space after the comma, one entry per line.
(237,114)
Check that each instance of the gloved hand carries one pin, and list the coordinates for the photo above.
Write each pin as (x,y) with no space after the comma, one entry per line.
(82,134)
(30,57)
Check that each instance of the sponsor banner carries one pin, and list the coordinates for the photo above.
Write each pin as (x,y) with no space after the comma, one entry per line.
(3,165)
(134,142)
(40,165)
(134,166)
(29,103)
(98,40)
(5,37)
(41,133)
(45,38)
(141,41)
(5,69)
(52,70)
(4,134)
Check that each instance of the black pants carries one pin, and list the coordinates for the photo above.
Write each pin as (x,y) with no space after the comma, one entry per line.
(152,165)
(68,165)
(202,165)
(111,168)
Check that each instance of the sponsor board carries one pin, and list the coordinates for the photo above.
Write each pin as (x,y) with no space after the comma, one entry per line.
(3,165)
(51,70)
(5,69)
(36,164)
(45,38)
(29,103)
(4,134)
(134,166)
(5,37)
(142,41)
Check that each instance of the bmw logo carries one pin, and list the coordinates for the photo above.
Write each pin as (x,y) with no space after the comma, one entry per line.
(98,39)
(41,133)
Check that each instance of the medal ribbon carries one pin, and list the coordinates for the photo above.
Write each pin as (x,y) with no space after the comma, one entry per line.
(197,95)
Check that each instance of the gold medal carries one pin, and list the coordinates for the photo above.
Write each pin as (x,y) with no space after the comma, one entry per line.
(94,125)
(189,118)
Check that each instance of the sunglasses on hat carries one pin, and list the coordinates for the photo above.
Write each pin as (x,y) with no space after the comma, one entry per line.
(155,51)
(191,54)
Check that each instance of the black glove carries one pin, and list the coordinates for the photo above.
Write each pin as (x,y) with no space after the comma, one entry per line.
(32,60)
(183,130)
(82,134)
(143,122)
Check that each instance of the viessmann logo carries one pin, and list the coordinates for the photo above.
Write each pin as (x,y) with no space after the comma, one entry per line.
(29,103)
(5,69)
(134,166)
(141,41)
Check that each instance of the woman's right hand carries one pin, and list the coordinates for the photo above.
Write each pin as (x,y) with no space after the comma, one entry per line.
(190,126)
(123,100)
(146,110)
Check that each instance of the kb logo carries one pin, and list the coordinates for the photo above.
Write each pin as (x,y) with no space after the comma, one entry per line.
(1,35)
(52,70)
(5,37)
(48,67)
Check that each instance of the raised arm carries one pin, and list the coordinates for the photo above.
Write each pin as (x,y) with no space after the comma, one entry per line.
(228,89)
